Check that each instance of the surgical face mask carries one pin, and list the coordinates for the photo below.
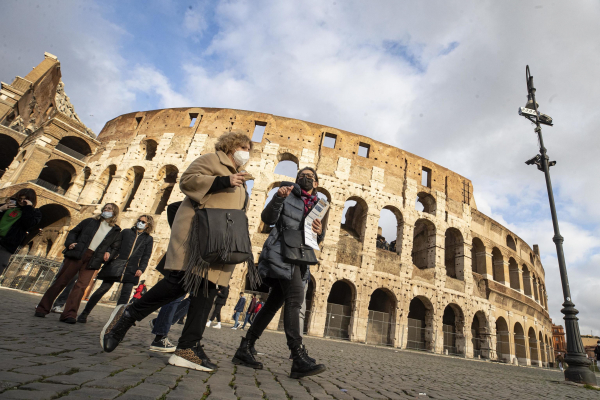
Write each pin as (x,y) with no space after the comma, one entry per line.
(140,225)
(241,157)
(306,184)
(106,214)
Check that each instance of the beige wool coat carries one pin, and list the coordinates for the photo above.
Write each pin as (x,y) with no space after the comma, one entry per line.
(195,183)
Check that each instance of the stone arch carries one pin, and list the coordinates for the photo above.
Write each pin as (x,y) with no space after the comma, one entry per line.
(520,345)
(423,251)
(55,221)
(287,166)
(167,178)
(426,203)
(543,354)
(381,320)
(533,346)
(453,322)
(9,148)
(502,340)
(105,180)
(133,178)
(271,190)
(340,307)
(498,265)
(148,148)
(420,324)
(549,349)
(74,146)
(526,281)
(513,274)
(478,256)
(480,335)
(454,253)
(392,224)
(510,243)
(352,231)
(535,288)
(57,176)
(322,192)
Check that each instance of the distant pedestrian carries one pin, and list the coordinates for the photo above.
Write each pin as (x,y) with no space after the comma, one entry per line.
(597,354)
(239,308)
(220,301)
(560,360)
(250,311)
(259,305)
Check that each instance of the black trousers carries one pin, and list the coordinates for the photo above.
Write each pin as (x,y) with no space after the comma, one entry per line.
(217,312)
(292,294)
(171,288)
(102,290)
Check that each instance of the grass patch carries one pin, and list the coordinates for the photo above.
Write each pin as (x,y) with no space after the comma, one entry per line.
(72,371)
(116,372)
(590,387)
(58,352)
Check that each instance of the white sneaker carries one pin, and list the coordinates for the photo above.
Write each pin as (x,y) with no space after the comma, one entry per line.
(208,324)
(57,310)
(217,326)
(234,328)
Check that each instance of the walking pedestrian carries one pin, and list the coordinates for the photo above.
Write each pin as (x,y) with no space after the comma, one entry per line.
(220,301)
(238,309)
(284,266)
(17,215)
(86,248)
(250,311)
(129,256)
(214,188)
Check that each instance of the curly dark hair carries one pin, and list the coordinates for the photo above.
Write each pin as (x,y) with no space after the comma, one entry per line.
(230,141)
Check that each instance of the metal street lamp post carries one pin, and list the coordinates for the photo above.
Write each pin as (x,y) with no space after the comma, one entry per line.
(579,365)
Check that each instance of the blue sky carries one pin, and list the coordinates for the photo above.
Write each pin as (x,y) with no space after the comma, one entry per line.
(440,79)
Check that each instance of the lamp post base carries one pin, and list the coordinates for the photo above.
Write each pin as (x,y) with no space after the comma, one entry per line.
(579,371)
(579,364)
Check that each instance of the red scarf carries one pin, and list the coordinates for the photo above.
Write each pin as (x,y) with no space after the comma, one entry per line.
(309,201)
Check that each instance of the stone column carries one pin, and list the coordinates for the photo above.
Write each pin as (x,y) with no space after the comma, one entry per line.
(501,267)
(486,258)
(520,271)
(318,316)
(92,191)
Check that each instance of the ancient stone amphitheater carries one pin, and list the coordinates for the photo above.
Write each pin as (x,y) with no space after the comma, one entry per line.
(457,282)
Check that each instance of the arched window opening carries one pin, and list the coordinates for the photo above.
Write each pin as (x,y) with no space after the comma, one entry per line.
(287,168)
(426,203)
(543,355)
(352,231)
(381,318)
(168,176)
(526,281)
(549,349)
(478,257)
(513,273)
(452,330)
(453,254)
(55,219)
(249,186)
(56,176)
(74,146)
(105,181)
(502,340)
(423,251)
(510,243)
(535,289)
(480,336)
(149,147)
(266,228)
(391,225)
(533,347)
(531,259)
(339,311)
(498,265)
(9,148)
(134,178)
(420,322)
(520,345)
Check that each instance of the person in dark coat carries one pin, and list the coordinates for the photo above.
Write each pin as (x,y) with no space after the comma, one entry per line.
(287,211)
(249,311)
(220,301)
(134,246)
(17,216)
(86,249)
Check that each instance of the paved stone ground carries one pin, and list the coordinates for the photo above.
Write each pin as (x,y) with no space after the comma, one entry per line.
(46,359)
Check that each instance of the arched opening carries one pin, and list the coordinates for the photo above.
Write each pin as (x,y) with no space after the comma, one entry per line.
(425,203)
(287,166)
(543,354)
(480,337)
(249,186)
(478,257)
(56,176)
(380,323)
(452,327)
(339,310)
(167,178)
(391,224)
(265,228)
(502,340)
(74,146)
(9,148)
(454,253)
(549,349)
(535,289)
(531,259)
(510,243)
(352,231)
(148,148)
(520,349)
(105,180)
(533,347)
(134,179)
(498,264)
(420,322)
(513,273)
(423,251)
(526,281)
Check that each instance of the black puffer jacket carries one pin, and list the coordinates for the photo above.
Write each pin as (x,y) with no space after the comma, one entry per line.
(222,295)
(140,254)
(83,234)
(289,213)
(30,217)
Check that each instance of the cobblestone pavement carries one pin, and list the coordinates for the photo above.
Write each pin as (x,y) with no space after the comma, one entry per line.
(46,359)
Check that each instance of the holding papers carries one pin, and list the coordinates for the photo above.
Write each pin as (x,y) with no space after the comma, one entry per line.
(318,212)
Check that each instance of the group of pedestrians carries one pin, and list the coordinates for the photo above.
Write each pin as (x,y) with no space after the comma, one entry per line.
(253,308)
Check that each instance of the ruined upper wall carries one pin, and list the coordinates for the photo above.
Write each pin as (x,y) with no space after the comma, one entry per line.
(294,135)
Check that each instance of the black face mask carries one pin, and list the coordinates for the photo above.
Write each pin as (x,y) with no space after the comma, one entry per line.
(306,183)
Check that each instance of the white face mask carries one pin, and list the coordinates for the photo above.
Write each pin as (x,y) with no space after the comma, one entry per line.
(140,225)
(106,214)
(241,157)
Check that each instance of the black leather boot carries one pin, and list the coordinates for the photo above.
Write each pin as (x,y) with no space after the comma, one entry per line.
(303,366)
(243,355)
(82,319)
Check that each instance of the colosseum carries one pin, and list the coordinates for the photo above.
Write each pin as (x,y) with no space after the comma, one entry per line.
(448,279)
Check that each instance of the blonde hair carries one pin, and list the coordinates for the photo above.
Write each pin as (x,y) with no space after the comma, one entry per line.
(149,225)
(228,142)
(112,221)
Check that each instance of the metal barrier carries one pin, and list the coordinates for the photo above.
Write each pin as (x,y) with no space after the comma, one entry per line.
(30,273)
(416,335)
(337,322)
(67,150)
(379,329)
(47,185)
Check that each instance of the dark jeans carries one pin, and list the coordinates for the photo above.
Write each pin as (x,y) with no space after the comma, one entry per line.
(247,319)
(102,290)
(217,312)
(169,314)
(169,289)
(292,294)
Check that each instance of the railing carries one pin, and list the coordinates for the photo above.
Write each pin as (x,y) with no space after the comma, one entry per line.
(30,273)
(47,185)
(416,339)
(64,149)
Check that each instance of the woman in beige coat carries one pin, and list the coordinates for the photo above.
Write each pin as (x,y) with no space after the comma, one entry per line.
(213,180)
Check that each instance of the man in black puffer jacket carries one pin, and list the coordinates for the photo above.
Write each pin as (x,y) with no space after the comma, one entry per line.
(286,211)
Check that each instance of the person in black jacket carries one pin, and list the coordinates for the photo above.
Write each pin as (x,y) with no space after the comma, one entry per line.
(220,301)
(286,210)
(17,216)
(86,249)
(134,246)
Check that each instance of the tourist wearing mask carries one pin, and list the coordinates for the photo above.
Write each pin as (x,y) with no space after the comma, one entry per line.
(129,256)
(17,216)
(286,210)
(212,182)
(86,249)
